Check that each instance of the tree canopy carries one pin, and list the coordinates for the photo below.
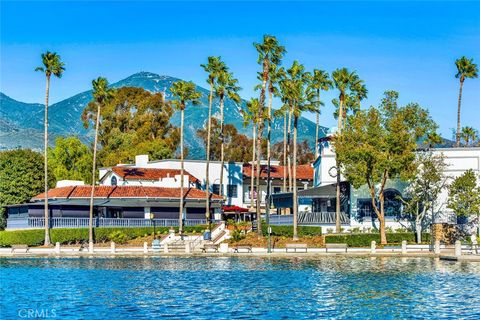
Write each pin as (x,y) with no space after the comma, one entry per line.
(70,159)
(238,147)
(21,176)
(464,194)
(379,144)
(134,122)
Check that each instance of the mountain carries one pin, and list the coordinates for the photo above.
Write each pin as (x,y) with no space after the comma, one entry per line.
(21,124)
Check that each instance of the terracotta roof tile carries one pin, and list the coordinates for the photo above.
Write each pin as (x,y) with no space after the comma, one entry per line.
(129,173)
(124,192)
(304,171)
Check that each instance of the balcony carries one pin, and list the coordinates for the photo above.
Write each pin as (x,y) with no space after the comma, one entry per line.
(309,218)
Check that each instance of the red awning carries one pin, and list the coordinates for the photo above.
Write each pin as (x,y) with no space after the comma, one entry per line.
(234,209)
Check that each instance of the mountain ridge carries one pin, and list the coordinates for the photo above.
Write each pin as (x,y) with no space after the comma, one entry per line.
(19,128)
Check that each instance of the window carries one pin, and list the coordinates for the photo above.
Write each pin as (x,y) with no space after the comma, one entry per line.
(277,189)
(113,181)
(216,188)
(232,191)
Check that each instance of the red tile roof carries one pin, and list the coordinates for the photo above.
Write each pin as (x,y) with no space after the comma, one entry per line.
(124,192)
(304,171)
(130,173)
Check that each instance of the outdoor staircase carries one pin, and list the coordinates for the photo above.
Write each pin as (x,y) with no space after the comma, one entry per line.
(177,246)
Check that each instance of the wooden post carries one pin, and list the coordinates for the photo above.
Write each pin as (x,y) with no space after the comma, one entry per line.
(57,247)
(145,247)
(373,247)
(458,248)
(404,246)
(112,247)
(437,247)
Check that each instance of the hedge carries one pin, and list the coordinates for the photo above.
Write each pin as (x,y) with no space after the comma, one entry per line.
(365,239)
(287,231)
(35,237)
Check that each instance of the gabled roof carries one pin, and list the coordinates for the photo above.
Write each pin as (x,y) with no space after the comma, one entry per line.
(131,173)
(304,171)
(117,192)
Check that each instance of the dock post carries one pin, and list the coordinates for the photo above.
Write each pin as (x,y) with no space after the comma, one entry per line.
(90,247)
(187,247)
(404,246)
(57,247)
(145,247)
(437,247)
(458,248)
(112,247)
(165,248)
(373,247)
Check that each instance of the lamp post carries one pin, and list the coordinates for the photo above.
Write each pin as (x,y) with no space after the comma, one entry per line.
(267,212)
(152,218)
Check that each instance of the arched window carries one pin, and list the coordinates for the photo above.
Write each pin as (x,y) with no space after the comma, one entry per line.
(113,181)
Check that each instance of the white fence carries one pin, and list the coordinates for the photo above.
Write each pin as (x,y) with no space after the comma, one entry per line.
(64,222)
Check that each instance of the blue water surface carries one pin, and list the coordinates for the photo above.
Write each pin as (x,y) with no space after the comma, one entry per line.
(239,288)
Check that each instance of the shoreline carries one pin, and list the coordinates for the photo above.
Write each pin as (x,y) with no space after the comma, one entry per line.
(259,253)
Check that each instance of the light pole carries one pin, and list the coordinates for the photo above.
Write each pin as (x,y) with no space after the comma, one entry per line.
(267,212)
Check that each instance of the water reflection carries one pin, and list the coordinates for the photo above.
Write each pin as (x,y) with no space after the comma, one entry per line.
(224,288)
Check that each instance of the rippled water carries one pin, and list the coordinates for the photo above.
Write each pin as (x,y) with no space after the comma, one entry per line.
(240,288)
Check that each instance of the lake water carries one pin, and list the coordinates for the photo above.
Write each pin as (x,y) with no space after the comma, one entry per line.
(239,288)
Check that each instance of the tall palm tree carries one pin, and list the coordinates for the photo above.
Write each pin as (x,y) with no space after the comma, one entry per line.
(184,92)
(298,94)
(252,116)
(465,69)
(269,52)
(343,81)
(468,134)
(214,68)
(102,94)
(226,87)
(52,65)
(320,82)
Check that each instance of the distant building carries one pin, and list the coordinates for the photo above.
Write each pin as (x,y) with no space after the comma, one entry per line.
(318,204)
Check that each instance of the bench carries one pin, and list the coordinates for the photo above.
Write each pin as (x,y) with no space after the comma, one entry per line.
(207,247)
(246,248)
(336,246)
(296,246)
(17,247)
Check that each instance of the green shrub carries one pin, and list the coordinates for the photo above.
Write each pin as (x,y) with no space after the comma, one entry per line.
(237,235)
(287,231)
(365,239)
(35,237)
(118,237)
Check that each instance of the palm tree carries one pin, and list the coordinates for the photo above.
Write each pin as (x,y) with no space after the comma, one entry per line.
(102,94)
(320,81)
(343,81)
(297,93)
(252,116)
(226,86)
(465,69)
(468,134)
(214,68)
(269,52)
(184,92)
(52,64)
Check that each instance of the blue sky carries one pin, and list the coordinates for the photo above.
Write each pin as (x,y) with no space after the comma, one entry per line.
(405,46)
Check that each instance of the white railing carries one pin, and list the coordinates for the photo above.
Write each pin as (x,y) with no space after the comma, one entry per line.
(64,222)
(309,218)
(247,197)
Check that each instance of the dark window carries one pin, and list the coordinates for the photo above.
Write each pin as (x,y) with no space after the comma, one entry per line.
(277,189)
(113,181)
(216,188)
(232,191)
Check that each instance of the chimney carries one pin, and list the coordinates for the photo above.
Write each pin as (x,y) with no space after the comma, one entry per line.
(141,161)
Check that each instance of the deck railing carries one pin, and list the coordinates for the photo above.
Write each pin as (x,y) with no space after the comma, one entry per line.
(65,222)
(309,218)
